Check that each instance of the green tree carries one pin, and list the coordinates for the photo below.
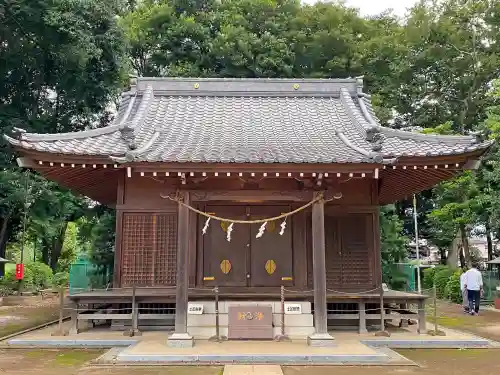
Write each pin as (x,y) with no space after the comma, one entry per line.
(393,247)
(62,62)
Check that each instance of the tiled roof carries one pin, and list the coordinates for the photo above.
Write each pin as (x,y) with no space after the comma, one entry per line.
(246,121)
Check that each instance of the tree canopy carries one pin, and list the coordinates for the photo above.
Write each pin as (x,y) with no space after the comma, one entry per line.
(63,63)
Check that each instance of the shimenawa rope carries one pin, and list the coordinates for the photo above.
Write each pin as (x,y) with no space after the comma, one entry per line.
(235,221)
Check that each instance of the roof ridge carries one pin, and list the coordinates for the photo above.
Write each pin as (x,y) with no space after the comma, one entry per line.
(128,129)
(22,135)
(179,86)
(50,137)
(454,139)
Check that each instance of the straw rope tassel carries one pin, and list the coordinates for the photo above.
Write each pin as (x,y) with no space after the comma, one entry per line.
(229,230)
(283,226)
(205,227)
(261,230)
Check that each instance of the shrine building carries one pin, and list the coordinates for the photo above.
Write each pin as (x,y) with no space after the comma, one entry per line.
(304,162)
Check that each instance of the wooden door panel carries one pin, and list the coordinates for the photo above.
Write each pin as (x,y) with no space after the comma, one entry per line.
(271,256)
(233,272)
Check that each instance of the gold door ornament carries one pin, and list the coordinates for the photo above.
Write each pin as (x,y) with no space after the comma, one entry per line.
(270,266)
(225,266)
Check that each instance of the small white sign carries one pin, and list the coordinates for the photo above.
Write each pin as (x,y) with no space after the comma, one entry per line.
(293,309)
(195,308)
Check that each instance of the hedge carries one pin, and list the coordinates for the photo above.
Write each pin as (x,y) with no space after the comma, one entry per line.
(452,290)
(441,278)
(37,276)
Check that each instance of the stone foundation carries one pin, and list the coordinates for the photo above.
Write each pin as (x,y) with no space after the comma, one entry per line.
(296,326)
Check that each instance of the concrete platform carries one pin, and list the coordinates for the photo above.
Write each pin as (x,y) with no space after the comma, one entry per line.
(250,352)
(151,348)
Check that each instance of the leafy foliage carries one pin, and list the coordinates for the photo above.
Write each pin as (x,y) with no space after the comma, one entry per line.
(37,276)
(452,290)
(393,247)
(441,278)
(63,63)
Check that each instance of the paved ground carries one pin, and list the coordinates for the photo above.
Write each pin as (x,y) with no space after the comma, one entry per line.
(487,324)
(72,362)
(432,362)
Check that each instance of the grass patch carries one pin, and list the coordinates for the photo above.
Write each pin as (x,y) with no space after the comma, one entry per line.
(450,322)
(76,358)
(443,354)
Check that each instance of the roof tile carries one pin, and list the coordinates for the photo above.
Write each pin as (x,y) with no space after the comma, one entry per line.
(224,125)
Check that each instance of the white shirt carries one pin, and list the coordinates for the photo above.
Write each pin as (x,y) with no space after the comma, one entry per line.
(473,279)
(462,282)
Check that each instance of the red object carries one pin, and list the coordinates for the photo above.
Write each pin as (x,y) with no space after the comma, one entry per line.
(19,271)
(497,303)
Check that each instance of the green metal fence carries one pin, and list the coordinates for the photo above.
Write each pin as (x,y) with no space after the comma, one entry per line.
(491,279)
(83,275)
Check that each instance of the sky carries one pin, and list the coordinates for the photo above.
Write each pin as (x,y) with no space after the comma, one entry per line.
(371,7)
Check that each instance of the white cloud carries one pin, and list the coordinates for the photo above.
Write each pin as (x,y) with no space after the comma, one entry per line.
(372,7)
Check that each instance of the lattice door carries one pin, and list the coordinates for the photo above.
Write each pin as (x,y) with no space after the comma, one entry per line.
(149,249)
(356,247)
(332,253)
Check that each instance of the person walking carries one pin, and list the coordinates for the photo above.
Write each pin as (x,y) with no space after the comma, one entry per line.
(474,286)
(463,289)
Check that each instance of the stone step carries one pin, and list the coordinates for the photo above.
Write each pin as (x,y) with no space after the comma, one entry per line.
(204,333)
(208,320)
(252,369)
(209,306)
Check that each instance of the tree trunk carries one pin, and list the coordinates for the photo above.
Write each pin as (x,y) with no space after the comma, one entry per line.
(462,258)
(45,249)
(454,252)
(465,245)
(3,241)
(58,244)
(489,242)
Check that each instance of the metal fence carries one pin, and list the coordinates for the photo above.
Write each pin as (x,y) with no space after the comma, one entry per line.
(83,275)
(491,280)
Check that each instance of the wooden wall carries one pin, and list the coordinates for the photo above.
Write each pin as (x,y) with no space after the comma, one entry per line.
(147,238)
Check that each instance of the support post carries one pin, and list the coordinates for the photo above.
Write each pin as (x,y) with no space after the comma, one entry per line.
(362,317)
(436,331)
(321,337)
(382,331)
(134,331)
(181,337)
(217,337)
(74,319)
(421,316)
(59,331)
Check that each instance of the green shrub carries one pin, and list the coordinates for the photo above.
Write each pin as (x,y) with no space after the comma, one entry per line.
(441,278)
(452,290)
(429,273)
(60,279)
(428,280)
(37,276)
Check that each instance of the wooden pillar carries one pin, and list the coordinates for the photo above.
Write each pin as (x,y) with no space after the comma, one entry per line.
(180,337)
(120,200)
(362,317)
(421,316)
(320,336)
(73,330)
